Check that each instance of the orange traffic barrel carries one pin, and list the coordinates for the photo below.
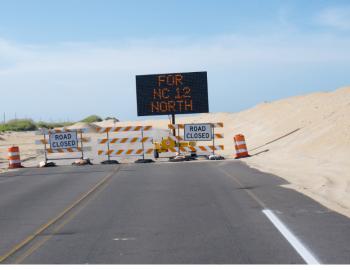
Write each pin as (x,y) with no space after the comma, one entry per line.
(14,158)
(240,146)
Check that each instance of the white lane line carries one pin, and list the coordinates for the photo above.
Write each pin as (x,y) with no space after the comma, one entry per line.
(296,244)
(124,239)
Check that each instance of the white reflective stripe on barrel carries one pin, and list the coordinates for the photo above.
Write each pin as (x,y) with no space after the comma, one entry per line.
(17,161)
(242,151)
(12,154)
(240,142)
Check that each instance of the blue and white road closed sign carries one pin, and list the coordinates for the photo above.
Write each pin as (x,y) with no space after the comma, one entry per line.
(63,140)
(198,132)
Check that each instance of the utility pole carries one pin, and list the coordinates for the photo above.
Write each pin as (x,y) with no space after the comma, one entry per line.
(4,117)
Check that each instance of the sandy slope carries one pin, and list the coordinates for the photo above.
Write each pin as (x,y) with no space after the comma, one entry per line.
(304,139)
(315,158)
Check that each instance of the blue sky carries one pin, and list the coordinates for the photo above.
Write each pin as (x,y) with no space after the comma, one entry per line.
(64,60)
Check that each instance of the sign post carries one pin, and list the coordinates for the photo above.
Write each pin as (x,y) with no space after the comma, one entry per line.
(173,123)
(45,153)
(108,147)
(81,145)
(213,134)
(143,145)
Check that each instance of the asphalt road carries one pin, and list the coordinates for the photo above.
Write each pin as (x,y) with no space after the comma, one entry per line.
(219,212)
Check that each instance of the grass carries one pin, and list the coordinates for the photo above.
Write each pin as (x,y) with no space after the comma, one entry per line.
(91,119)
(18,125)
(30,125)
(48,125)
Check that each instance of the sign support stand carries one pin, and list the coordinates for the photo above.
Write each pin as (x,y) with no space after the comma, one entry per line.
(173,123)
(178,141)
(109,156)
(45,148)
(213,127)
(81,144)
(143,147)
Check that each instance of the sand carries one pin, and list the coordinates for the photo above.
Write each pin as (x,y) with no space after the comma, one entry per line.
(25,140)
(303,139)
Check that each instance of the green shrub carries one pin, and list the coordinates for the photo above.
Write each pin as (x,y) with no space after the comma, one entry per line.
(42,124)
(18,125)
(112,118)
(91,119)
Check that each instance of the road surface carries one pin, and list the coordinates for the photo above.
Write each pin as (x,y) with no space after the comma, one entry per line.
(219,212)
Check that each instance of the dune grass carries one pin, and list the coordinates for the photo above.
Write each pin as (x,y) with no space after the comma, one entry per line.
(30,125)
(92,118)
(18,125)
(48,125)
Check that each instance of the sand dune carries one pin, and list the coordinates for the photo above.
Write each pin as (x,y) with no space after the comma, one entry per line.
(304,139)
(314,158)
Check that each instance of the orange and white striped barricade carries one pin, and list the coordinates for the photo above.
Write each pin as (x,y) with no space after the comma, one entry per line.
(63,141)
(14,157)
(204,148)
(240,146)
(126,152)
(136,144)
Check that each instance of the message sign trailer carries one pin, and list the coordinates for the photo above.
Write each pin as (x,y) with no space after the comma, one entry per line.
(172,93)
(214,137)
(126,141)
(63,140)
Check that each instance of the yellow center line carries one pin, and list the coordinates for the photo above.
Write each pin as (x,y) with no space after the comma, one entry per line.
(55,219)
(57,229)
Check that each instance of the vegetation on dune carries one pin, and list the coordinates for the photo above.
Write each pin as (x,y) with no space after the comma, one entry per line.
(18,125)
(91,119)
(30,125)
(112,118)
(42,124)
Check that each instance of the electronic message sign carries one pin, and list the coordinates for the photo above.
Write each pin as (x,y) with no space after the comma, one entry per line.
(174,93)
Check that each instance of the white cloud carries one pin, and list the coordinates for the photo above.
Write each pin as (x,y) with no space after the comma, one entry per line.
(335,17)
(155,55)
(102,74)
